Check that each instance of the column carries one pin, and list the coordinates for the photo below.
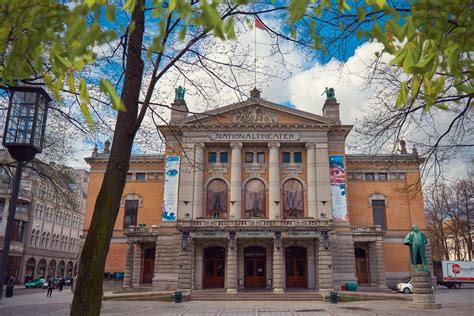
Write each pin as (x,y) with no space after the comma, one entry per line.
(323,184)
(231,267)
(137,264)
(127,278)
(198,181)
(278,268)
(236,180)
(274,180)
(186,180)
(325,271)
(381,282)
(311,180)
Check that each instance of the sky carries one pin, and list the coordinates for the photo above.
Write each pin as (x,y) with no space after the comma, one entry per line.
(295,81)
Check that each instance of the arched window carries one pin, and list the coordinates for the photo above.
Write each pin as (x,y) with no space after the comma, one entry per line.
(52,268)
(30,269)
(217,193)
(48,236)
(37,238)
(255,202)
(293,201)
(43,240)
(42,268)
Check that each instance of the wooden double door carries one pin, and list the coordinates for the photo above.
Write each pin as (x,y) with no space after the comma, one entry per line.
(214,267)
(362,270)
(255,267)
(295,266)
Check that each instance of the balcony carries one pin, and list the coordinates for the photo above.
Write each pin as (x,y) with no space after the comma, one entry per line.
(367,233)
(254,224)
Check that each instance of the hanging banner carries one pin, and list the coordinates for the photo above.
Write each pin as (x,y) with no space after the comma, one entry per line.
(338,188)
(170,196)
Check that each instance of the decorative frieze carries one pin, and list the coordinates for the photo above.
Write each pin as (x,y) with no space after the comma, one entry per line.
(255,170)
(254,115)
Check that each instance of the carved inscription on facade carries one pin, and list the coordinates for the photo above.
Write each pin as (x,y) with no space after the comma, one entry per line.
(255,136)
(254,115)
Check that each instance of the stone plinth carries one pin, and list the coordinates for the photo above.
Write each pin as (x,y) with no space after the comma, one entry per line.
(423,297)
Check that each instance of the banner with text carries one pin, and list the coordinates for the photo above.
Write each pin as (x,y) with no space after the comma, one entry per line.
(170,196)
(338,188)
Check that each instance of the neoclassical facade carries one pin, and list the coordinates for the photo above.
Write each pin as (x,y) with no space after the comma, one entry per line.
(265,198)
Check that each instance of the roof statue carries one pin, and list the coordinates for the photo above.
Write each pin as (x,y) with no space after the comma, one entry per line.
(94,151)
(415,151)
(417,241)
(179,93)
(330,94)
(403,147)
(255,93)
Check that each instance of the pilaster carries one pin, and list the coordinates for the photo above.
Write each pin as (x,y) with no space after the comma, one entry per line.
(278,269)
(186,263)
(311,180)
(127,278)
(231,269)
(381,282)
(323,184)
(274,180)
(137,265)
(342,245)
(236,180)
(325,266)
(186,180)
(166,259)
(198,181)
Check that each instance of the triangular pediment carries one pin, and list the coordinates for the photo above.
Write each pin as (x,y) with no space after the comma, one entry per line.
(255,111)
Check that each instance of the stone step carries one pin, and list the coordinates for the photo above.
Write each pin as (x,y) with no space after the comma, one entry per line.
(255,296)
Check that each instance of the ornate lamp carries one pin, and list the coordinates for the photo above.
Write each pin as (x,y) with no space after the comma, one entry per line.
(23,137)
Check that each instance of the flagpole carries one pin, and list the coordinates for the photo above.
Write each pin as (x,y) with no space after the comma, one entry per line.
(255,54)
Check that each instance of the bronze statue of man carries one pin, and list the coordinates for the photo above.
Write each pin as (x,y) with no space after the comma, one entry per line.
(417,241)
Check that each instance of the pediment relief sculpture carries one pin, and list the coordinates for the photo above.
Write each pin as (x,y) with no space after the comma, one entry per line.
(254,115)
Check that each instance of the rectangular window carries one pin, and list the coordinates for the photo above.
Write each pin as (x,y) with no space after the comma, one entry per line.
(286,157)
(212,157)
(248,157)
(369,176)
(224,157)
(298,158)
(141,176)
(18,230)
(382,176)
(129,176)
(131,212)
(378,211)
(261,157)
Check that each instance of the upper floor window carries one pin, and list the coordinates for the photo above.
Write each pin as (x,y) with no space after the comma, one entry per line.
(217,197)
(212,157)
(297,157)
(286,157)
(378,211)
(369,176)
(129,176)
(140,176)
(255,200)
(293,201)
(249,157)
(261,157)
(382,176)
(131,213)
(18,230)
(224,157)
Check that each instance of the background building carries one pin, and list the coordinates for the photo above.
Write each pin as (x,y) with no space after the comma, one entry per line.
(266,197)
(49,220)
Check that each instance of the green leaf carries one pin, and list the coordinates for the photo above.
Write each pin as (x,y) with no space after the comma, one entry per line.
(110,13)
(108,88)
(403,96)
(361,13)
(72,82)
(415,86)
(171,5)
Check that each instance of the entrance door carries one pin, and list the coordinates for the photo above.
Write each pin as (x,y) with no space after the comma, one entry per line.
(148,266)
(361,266)
(214,267)
(255,267)
(295,267)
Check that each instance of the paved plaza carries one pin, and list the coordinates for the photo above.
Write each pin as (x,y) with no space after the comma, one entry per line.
(455,302)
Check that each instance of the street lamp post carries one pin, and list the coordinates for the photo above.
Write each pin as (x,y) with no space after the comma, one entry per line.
(23,137)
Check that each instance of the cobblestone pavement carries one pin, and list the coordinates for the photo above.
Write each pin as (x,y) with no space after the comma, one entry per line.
(455,302)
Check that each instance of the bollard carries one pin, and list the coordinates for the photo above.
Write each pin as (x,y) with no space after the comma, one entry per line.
(333,297)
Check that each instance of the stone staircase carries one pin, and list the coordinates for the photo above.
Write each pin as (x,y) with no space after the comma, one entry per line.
(248,295)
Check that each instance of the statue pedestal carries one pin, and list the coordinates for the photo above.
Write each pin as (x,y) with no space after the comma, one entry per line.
(423,297)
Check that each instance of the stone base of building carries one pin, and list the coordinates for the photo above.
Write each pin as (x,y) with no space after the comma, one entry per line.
(165,282)
(424,305)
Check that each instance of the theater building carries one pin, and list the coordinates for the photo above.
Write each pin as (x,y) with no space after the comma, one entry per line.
(256,195)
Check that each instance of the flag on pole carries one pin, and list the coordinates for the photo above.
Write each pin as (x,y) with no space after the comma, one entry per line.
(259,24)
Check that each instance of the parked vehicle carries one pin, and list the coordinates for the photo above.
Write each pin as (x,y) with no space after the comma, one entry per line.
(67,281)
(36,283)
(55,284)
(453,274)
(405,287)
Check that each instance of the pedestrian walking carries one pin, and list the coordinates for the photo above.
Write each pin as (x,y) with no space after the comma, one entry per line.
(61,284)
(50,287)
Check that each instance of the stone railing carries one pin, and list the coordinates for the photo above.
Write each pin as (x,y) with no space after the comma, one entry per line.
(368,230)
(141,229)
(252,224)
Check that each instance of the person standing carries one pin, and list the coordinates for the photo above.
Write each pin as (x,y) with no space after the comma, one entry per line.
(50,287)
(61,284)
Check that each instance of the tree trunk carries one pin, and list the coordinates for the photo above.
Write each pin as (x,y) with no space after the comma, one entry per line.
(88,291)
